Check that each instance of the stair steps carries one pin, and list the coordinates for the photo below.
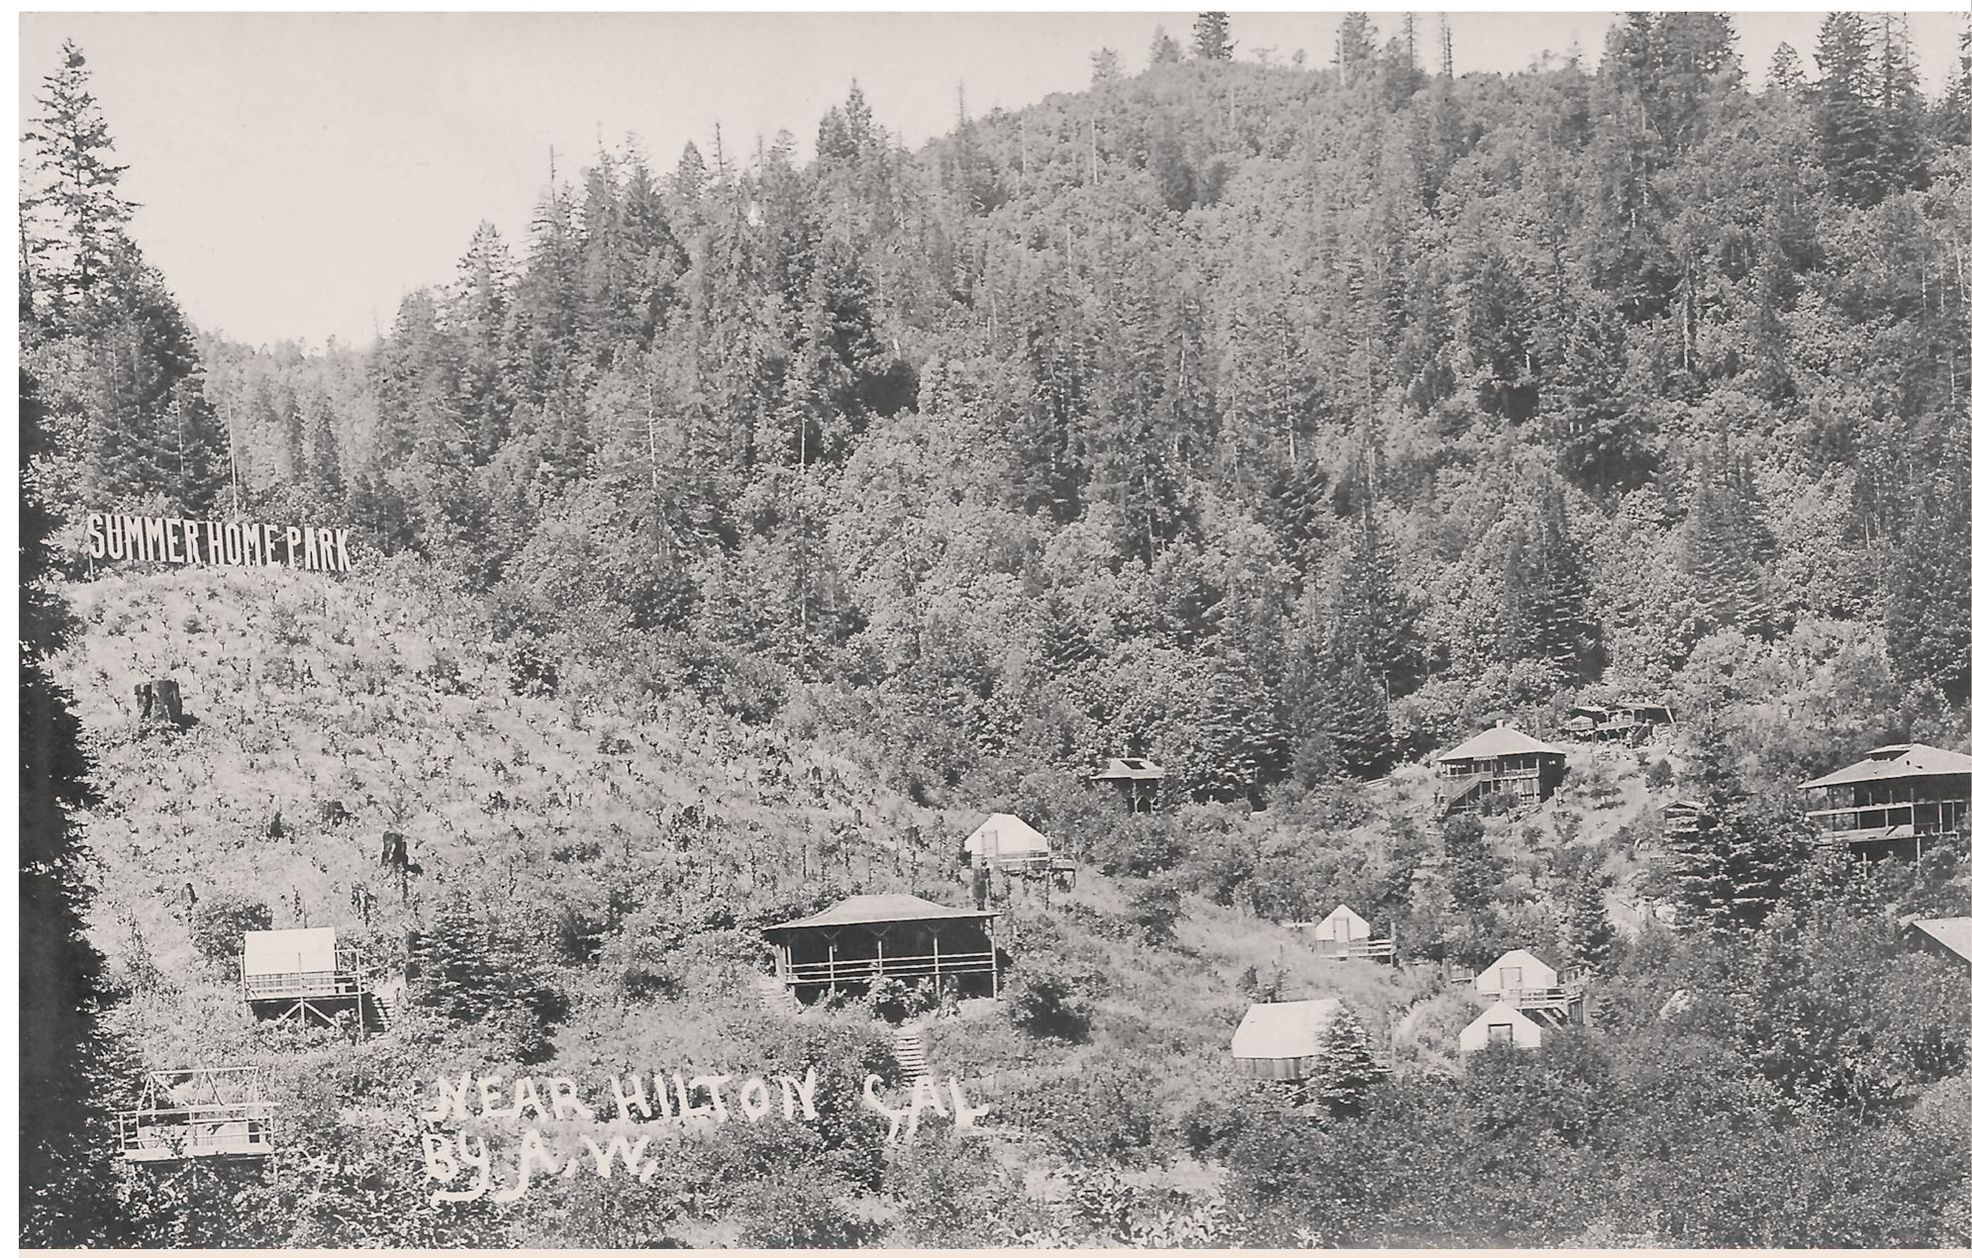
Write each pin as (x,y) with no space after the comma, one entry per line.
(909,1051)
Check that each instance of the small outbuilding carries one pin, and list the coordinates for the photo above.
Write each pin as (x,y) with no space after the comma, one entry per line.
(867,937)
(1137,780)
(1501,1025)
(1004,841)
(1627,720)
(1948,938)
(1500,761)
(1282,1040)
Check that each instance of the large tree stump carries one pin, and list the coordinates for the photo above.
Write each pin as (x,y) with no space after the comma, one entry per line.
(159,702)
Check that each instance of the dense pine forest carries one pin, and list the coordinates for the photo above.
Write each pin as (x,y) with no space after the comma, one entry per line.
(1283,424)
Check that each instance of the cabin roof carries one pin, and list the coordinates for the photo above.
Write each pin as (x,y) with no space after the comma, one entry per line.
(1522,955)
(1953,932)
(1898,760)
(1500,1011)
(1011,835)
(301,951)
(1501,740)
(1343,910)
(870,910)
(1285,1028)
(1130,769)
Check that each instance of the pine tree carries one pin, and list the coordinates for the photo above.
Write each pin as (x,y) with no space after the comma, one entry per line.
(1784,72)
(1239,746)
(1723,544)
(1586,929)
(1105,66)
(1356,719)
(1845,121)
(1346,1069)
(1374,617)
(1065,642)
(1164,50)
(1547,592)
(1211,37)
(75,214)
(1899,109)
(1732,869)
(1927,603)
(68,1193)
(1355,48)
(1472,871)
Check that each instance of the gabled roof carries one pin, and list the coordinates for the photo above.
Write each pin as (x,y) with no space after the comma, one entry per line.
(1899,760)
(1501,740)
(1004,834)
(1343,911)
(307,951)
(862,910)
(1954,933)
(1286,1028)
(1130,769)
(1500,1011)
(1521,956)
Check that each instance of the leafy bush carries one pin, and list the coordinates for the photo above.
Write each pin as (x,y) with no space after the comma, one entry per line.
(1050,998)
(220,922)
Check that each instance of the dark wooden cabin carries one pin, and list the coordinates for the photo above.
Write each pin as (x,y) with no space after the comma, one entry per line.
(866,937)
(1890,802)
(1500,761)
(1135,779)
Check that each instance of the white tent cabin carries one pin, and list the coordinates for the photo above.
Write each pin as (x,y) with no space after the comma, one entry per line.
(308,975)
(1282,1040)
(1948,938)
(1347,933)
(1503,1025)
(1524,981)
(1004,841)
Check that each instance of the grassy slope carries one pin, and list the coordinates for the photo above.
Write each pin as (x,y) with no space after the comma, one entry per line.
(403,751)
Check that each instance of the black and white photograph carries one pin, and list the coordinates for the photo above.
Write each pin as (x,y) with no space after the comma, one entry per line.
(995,630)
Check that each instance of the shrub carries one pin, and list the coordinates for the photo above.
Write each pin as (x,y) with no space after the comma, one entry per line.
(1046,997)
(802,1208)
(221,921)
(1154,912)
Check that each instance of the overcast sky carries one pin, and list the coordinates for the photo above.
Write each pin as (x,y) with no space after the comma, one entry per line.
(299,173)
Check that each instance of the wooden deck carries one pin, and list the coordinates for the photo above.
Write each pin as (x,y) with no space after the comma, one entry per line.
(843,970)
(244,1129)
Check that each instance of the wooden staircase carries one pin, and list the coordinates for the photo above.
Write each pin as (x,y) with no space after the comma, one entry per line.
(909,1051)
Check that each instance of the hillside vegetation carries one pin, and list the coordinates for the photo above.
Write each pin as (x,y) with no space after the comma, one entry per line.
(742,536)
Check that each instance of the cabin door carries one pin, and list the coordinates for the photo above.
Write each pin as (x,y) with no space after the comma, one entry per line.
(1510,980)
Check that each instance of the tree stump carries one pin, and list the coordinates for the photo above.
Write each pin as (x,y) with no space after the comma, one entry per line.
(159,702)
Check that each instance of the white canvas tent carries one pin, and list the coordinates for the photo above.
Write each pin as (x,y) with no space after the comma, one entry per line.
(309,951)
(1281,1040)
(1342,926)
(1005,840)
(1503,1025)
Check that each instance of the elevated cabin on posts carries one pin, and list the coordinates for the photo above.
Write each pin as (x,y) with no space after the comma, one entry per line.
(1500,761)
(200,1112)
(1528,983)
(308,976)
(867,937)
(1135,779)
(1003,841)
(1890,802)
(1947,938)
(1282,1040)
(1629,721)
(1347,934)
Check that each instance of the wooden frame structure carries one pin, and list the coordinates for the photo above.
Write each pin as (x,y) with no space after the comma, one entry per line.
(1137,780)
(1628,721)
(867,937)
(1890,802)
(198,1112)
(305,975)
(1348,936)
(1500,761)
(1522,980)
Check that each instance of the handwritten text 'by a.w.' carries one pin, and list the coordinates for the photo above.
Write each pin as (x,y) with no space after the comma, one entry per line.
(698,1101)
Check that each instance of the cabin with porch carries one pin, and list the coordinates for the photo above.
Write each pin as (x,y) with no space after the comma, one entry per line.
(1135,779)
(1282,1040)
(866,937)
(199,1112)
(1889,803)
(1346,934)
(1005,842)
(1947,938)
(1522,979)
(1502,1025)
(308,976)
(1628,721)
(1500,761)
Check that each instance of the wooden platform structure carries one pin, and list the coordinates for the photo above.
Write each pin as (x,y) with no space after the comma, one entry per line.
(1137,780)
(198,1112)
(1499,761)
(1628,720)
(1005,842)
(1522,980)
(867,937)
(307,976)
(1888,803)
(1346,935)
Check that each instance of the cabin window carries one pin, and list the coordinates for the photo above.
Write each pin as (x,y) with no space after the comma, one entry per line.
(1499,1033)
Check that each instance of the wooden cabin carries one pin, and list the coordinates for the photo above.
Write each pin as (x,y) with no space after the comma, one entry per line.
(1347,934)
(1004,841)
(1502,1025)
(1948,938)
(307,975)
(1500,761)
(1628,721)
(866,937)
(1282,1040)
(1890,802)
(1525,981)
(201,1112)
(1137,780)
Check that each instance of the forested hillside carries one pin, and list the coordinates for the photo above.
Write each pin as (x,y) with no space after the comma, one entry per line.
(1283,425)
